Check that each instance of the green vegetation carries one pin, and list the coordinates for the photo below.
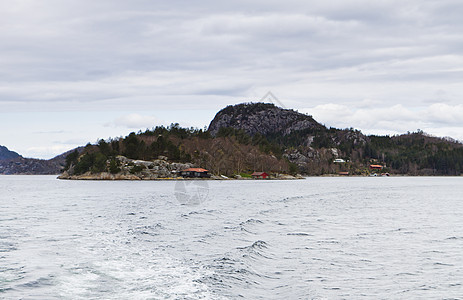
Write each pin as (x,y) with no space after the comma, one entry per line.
(417,153)
(245,175)
(136,169)
(231,152)
(114,167)
(71,159)
(293,169)
(146,145)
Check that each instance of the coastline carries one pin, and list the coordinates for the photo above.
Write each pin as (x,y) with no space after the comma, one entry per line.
(133,177)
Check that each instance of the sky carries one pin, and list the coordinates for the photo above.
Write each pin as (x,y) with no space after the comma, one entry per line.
(75,71)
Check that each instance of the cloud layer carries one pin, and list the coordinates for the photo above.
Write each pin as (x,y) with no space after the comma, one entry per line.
(83,56)
(395,119)
(136,121)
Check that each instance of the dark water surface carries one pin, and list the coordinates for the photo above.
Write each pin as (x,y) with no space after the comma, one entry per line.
(319,238)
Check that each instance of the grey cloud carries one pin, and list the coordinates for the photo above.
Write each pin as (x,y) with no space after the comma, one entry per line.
(100,55)
(150,39)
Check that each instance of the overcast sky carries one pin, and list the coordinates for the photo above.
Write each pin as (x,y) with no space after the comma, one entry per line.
(75,71)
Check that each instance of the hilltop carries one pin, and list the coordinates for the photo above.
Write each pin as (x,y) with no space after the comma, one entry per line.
(314,147)
(262,118)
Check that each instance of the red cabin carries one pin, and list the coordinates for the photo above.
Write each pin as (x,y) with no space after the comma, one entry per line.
(195,173)
(376,167)
(259,175)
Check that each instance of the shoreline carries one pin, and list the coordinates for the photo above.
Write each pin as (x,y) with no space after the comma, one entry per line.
(132,177)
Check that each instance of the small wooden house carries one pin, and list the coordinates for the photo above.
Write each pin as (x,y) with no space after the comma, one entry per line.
(376,167)
(195,173)
(259,175)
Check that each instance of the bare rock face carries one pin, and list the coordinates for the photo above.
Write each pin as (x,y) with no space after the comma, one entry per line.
(262,118)
(130,169)
(99,176)
(302,156)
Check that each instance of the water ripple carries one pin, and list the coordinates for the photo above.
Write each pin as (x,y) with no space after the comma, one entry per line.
(320,238)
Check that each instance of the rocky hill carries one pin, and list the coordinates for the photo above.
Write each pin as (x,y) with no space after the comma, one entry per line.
(262,118)
(318,150)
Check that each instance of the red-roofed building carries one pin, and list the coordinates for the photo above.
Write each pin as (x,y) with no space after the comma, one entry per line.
(195,173)
(259,175)
(376,167)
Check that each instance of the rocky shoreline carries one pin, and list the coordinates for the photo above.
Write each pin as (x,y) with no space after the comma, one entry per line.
(159,169)
(111,177)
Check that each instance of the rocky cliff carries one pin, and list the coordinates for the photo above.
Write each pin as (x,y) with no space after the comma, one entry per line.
(262,118)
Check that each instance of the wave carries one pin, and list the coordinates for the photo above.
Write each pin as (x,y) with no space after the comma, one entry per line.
(251,221)
(300,234)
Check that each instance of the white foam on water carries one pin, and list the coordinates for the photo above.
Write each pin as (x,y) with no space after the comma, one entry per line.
(135,277)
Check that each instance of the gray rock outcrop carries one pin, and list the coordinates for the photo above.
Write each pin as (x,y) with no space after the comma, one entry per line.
(262,118)
(130,169)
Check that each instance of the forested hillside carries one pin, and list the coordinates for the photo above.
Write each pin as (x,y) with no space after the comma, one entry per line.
(220,155)
(313,147)
(262,137)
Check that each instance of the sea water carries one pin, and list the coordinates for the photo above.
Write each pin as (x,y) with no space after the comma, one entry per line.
(318,238)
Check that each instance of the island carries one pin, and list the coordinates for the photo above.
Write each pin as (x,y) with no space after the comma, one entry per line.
(245,140)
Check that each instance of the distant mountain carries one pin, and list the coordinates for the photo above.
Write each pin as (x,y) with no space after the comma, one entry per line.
(16,164)
(6,154)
